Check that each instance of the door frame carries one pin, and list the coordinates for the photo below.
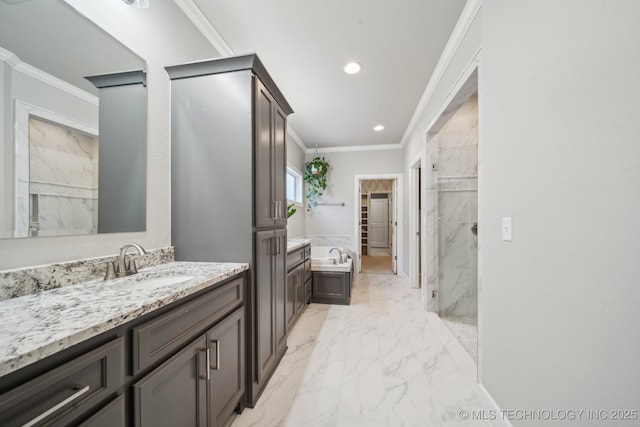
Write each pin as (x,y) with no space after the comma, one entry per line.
(416,222)
(398,225)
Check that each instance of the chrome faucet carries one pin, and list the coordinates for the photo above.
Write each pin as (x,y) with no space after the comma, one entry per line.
(123,268)
(339,251)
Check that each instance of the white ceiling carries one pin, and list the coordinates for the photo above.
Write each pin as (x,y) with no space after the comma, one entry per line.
(305,44)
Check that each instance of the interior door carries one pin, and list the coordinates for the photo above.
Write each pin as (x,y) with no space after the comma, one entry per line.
(379,223)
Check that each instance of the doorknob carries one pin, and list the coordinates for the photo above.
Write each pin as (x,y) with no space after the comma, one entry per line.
(474,228)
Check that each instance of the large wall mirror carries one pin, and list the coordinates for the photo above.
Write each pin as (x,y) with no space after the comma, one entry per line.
(72,125)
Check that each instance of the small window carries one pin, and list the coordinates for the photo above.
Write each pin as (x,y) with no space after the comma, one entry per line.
(294,185)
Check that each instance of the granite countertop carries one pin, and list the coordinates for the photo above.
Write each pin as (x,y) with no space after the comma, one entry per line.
(33,327)
(293,244)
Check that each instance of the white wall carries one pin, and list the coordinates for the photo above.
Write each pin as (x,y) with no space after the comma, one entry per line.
(295,156)
(344,166)
(144,31)
(560,147)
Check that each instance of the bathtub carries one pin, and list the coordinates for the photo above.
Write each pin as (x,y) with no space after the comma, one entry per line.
(322,260)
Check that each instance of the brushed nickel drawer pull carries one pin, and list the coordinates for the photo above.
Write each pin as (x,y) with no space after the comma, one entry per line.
(54,408)
(207,362)
(217,368)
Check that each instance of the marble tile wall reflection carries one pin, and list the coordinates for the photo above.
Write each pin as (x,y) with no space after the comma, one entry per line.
(63,179)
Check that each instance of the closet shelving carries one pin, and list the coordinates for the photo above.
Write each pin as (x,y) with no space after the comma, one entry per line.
(364,223)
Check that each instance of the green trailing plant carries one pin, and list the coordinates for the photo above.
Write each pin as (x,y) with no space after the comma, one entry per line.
(291,209)
(315,175)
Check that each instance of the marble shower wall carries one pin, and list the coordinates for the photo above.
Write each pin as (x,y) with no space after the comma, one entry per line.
(63,179)
(456,185)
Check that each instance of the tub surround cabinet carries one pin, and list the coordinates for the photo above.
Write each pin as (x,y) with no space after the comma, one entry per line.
(228,131)
(332,287)
(298,284)
(182,364)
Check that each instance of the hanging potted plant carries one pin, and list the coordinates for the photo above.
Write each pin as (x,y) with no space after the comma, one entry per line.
(315,175)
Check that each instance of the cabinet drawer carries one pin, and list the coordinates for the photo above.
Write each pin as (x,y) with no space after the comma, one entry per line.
(158,338)
(111,415)
(294,258)
(66,392)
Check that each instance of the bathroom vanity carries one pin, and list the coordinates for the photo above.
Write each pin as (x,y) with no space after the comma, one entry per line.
(164,347)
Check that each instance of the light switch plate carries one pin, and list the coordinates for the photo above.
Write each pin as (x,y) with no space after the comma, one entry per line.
(507,232)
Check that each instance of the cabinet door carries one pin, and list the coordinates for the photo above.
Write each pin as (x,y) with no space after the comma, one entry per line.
(280,166)
(226,349)
(300,291)
(292,284)
(175,394)
(331,287)
(280,284)
(265,209)
(264,304)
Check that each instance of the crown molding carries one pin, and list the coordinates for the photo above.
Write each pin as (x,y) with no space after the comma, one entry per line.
(468,15)
(355,148)
(15,63)
(201,22)
(296,138)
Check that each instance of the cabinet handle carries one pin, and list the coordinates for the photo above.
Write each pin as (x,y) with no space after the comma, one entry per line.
(217,343)
(276,209)
(277,246)
(54,408)
(207,356)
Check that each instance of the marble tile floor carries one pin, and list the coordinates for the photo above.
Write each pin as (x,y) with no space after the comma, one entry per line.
(381,361)
(465,329)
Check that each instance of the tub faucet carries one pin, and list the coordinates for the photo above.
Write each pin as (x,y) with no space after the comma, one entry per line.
(339,251)
(123,269)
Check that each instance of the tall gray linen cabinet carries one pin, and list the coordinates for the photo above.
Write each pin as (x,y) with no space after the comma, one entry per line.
(228,200)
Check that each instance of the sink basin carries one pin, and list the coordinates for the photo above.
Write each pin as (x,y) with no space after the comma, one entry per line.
(158,282)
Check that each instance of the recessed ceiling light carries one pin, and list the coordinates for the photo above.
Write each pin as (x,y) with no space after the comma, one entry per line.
(140,4)
(352,68)
(378,128)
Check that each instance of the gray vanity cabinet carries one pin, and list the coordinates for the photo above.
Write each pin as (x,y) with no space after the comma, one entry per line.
(180,365)
(228,199)
(298,284)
